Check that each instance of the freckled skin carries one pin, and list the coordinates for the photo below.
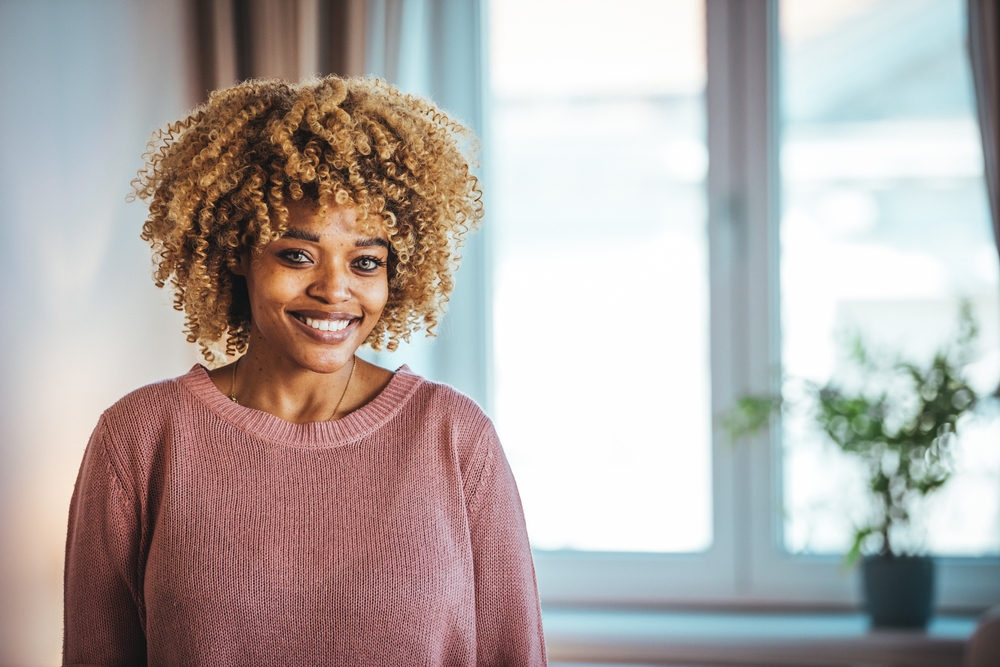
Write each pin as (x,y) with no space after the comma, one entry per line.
(319,270)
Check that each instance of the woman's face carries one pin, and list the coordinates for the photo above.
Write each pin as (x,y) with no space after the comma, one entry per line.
(318,291)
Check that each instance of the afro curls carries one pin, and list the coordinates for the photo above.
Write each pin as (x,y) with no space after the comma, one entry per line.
(218,181)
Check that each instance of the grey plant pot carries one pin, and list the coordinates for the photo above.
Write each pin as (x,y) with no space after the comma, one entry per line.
(899,590)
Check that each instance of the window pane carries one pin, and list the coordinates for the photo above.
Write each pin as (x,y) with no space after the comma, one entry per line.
(885,227)
(601,282)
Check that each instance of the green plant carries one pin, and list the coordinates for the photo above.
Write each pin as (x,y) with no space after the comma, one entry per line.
(751,414)
(901,422)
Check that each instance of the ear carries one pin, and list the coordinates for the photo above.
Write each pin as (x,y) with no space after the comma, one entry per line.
(238,265)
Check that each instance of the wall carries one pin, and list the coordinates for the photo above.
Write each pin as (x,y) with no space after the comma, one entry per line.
(84,84)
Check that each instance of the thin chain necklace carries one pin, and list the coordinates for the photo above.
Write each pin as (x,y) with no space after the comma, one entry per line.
(347,386)
(354,364)
(232,383)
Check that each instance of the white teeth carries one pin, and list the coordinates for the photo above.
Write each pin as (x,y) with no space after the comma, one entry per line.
(327,325)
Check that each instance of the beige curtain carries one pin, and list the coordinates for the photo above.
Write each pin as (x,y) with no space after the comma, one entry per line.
(984,47)
(286,39)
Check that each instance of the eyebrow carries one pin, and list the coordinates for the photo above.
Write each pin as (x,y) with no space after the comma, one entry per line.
(300,234)
(361,243)
(303,235)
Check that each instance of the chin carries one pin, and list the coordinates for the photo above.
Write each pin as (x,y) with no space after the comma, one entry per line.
(327,363)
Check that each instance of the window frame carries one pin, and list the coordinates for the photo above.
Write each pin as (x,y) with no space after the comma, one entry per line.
(746,566)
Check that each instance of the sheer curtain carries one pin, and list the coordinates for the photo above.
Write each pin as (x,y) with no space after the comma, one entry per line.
(434,48)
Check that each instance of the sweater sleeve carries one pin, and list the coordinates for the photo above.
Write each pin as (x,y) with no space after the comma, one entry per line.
(508,615)
(102,620)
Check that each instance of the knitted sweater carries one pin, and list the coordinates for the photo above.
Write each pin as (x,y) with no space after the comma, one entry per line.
(203,532)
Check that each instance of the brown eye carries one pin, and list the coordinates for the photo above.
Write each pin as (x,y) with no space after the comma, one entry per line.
(295,256)
(369,264)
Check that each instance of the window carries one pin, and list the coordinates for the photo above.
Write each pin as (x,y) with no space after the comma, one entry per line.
(885,226)
(651,135)
(599,163)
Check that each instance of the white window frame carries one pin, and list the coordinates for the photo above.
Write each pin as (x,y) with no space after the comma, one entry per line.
(746,566)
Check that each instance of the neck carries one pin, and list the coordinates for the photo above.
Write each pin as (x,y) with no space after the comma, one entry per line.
(287,390)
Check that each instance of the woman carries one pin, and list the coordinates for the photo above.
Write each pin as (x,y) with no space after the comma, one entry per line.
(299,505)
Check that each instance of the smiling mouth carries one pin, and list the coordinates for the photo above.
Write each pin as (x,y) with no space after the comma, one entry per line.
(324,324)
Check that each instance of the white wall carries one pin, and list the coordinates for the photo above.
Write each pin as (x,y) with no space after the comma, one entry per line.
(83,84)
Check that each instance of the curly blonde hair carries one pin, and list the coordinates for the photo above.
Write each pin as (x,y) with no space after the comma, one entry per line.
(217,183)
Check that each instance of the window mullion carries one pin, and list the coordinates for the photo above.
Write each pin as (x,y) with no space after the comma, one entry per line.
(743,240)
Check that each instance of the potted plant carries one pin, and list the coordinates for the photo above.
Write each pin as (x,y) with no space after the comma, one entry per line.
(901,419)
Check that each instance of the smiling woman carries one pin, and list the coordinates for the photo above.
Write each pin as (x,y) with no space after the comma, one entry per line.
(299,505)
(316,293)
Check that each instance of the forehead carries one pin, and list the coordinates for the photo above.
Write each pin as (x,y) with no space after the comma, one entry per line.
(334,219)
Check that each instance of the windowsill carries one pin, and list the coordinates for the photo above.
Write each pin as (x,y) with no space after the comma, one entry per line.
(805,639)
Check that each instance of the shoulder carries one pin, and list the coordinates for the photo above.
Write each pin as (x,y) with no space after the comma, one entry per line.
(442,404)
(145,401)
(147,405)
(131,428)
(457,422)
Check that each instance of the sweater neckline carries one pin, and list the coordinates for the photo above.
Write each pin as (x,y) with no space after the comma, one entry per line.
(348,428)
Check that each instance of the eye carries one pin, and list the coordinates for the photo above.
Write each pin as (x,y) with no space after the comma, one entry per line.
(368,263)
(295,256)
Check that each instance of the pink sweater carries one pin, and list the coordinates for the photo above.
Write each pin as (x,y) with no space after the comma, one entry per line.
(203,532)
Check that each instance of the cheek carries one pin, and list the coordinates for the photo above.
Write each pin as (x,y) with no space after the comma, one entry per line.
(376,295)
(269,290)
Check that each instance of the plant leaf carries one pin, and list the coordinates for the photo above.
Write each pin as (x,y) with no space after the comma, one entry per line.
(750,416)
(852,556)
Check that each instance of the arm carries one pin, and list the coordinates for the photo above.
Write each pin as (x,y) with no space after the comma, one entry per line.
(102,620)
(508,615)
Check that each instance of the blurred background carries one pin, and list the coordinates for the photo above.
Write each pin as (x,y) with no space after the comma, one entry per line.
(594,317)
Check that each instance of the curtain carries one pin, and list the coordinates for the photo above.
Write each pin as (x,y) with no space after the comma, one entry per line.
(984,52)
(286,39)
(433,48)
(984,47)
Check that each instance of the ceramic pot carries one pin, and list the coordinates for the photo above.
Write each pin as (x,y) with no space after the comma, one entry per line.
(898,590)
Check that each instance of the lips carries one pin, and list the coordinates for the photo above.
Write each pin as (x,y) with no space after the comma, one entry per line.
(326,326)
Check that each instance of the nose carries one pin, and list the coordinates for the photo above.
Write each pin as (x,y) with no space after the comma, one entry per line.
(331,282)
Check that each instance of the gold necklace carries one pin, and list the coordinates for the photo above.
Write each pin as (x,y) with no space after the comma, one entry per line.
(346,387)
(232,383)
(354,364)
